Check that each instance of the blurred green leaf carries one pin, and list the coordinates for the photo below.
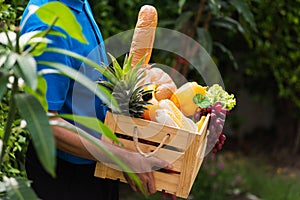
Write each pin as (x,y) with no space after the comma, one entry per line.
(94,124)
(8,38)
(214,6)
(180,5)
(38,40)
(3,81)
(27,69)
(19,189)
(3,56)
(40,131)
(228,52)
(26,37)
(65,19)
(228,23)
(100,91)
(182,19)
(102,69)
(243,8)
(205,39)
(40,92)
(2,185)
(11,58)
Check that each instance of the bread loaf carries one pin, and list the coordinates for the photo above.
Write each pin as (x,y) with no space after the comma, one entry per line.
(144,34)
(142,44)
(165,85)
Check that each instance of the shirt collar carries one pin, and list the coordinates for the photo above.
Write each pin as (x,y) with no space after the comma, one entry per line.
(74,4)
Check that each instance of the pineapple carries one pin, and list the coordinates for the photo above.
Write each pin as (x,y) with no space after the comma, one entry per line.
(124,83)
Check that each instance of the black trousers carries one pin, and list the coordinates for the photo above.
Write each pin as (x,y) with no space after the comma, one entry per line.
(72,182)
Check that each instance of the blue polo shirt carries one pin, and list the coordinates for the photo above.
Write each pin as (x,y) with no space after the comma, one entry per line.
(63,94)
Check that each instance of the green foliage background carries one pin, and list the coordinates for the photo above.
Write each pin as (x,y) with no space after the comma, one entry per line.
(13,164)
(263,58)
(276,47)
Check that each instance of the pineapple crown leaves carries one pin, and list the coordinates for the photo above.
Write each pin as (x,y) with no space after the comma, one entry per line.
(125,84)
(115,73)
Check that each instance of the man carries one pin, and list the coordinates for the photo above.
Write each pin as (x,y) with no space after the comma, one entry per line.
(75,162)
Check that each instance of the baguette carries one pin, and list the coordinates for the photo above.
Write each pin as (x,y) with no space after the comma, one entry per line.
(143,36)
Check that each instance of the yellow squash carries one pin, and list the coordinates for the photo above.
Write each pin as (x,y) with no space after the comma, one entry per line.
(183,97)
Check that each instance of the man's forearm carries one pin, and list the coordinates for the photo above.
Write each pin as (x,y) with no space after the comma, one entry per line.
(70,142)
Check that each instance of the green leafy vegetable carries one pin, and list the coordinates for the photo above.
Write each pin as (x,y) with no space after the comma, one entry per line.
(201,100)
(217,94)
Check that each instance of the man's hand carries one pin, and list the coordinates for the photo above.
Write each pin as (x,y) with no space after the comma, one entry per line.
(147,180)
(143,168)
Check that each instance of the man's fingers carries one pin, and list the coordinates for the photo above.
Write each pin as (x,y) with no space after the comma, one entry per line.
(130,182)
(151,183)
(161,163)
(147,181)
(132,185)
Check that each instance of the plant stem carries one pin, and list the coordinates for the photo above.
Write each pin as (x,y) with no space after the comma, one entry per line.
(18,40)
(10,118)
(9,41)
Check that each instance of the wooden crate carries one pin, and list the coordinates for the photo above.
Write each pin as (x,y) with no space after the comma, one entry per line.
(184,149)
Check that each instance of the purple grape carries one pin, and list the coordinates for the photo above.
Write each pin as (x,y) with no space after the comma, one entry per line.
(222,114)
(197,116)
(222,137)
(218,108)
(218,121)
(208,110)
(213,116)
(219,146)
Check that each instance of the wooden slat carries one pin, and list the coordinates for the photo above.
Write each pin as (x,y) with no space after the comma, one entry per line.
(110,121)
(163,181)
(152,131)
(166,182)
(200,157)
(190,164)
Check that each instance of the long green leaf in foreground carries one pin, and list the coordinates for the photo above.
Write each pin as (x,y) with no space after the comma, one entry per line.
(40,130)
(94,124)
(40,92)
(26,69)
(96,142)
(99,90)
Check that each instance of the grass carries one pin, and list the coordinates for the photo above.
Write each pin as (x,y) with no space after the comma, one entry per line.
(270,185)
(240,176)
(234,177)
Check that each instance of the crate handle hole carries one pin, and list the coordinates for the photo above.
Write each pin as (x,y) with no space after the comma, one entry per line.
(136,143)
